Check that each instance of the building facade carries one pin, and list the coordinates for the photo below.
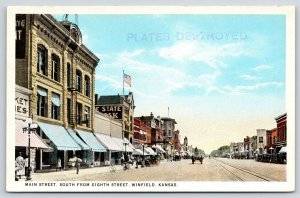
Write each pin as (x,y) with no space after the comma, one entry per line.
(54,64)
(168,128)
(120,107)
(261,141)
(281,130)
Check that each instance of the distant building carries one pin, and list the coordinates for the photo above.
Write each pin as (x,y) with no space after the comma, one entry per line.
(281,131)
(120,107)
(168,128)
(271,140)
(261,141)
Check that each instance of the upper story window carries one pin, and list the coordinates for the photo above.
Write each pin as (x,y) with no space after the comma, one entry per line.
(42,102)
(87,86)
(87,115)
(42,60)
(68,75)
(79,113)
(78,80)
(55,106)
(55,67)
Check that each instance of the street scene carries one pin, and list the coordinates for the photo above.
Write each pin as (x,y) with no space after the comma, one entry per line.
(111,98)
(215,169)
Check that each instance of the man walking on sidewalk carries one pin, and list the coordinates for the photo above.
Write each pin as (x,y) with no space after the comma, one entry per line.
(77,164)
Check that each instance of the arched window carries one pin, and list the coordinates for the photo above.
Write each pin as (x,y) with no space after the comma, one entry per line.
(55,67)
(68,75)
(87,86)
(42,65)
(78,80)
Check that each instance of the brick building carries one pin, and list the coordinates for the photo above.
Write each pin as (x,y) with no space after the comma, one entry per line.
(271,140)
(281,130)
(55,65)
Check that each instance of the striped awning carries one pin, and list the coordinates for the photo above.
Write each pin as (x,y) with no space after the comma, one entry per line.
(158,149)
(59,136)
(83,145)
(35,140)
(91,140)
(108,142)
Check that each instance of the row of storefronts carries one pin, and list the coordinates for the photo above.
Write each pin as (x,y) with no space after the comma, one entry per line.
(265,142)
(49,142)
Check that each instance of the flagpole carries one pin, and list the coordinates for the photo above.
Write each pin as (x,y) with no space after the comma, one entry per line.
(123,81)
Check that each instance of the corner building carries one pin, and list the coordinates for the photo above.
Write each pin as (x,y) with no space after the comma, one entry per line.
(52,62)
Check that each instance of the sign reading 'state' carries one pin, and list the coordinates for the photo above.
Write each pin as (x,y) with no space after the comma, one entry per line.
(113,111)
(22,105)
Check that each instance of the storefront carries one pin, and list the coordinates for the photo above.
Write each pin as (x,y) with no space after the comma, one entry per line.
(97,149)
(112,148)
(61,141)
(22,137)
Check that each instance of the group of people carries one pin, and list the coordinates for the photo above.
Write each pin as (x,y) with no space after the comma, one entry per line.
(21,166)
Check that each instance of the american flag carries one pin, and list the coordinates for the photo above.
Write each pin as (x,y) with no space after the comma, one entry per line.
(127,79)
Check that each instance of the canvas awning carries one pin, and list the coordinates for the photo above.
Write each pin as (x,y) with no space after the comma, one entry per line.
(121,144)
(91,141)
(158,149)
(35,140)
(108,142)
(137,152)
(150,151)
(83,145)
(283,150)
(59,136)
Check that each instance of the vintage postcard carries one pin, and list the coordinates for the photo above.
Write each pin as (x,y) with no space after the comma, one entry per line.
(150,99)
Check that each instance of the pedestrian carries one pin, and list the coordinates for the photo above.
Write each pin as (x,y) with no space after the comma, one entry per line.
(20,163)
(58,165)
(26,165)
(77,164)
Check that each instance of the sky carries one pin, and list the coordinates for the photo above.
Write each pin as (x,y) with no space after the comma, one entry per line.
(222,76)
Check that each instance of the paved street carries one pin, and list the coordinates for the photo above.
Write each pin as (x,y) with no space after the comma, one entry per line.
(184,170)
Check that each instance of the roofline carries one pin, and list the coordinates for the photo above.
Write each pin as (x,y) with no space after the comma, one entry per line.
(65,32)
(281,116)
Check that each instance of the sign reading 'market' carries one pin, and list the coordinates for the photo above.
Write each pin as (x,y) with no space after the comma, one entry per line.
(114,111)
(22,105)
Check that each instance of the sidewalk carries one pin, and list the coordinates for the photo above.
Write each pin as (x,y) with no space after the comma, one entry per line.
(52,173)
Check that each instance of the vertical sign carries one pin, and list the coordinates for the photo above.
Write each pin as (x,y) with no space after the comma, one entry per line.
(20,35)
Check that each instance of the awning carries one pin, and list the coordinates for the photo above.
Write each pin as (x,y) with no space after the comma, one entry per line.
(35,140)
(91,140)
(108,142)
(83,145)
(158,149)
(121,144)
(150,151)
(137,152)
(59,136)
(283,150)
(129,144)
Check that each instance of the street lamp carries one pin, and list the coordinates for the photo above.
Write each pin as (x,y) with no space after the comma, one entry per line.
(125,143)
(29,127)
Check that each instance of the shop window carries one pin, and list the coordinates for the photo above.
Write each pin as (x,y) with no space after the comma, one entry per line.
(55,106)
(55,67)
(42,60)
(78,80)
(42,102)
(68,75)
(87,86)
